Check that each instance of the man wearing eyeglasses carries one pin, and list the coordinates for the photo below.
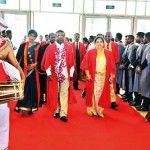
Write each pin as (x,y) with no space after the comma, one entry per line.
(59,64)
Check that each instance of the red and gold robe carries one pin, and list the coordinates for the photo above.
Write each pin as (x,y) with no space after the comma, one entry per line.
(114,48)
(52,86)
(89,63)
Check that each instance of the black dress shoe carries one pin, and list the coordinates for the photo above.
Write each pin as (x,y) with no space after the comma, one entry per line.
(83,94)
(76,88)
(130,100)
(123,94)
(139,106)
(30,113)
(56,115)
(148,116)
(132,103)
(17,110)
(124,97)
(125,100)
(64,118)
(114,105)
(143,109)
(148,119)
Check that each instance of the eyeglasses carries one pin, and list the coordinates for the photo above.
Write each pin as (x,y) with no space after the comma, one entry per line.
(60,35)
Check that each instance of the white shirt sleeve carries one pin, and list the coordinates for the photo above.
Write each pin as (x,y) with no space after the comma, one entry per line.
(71,71)
(48,71)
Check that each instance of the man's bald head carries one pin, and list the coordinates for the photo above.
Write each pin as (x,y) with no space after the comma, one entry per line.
(108,37)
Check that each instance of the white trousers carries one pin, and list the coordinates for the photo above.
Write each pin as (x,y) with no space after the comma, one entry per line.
(4,126)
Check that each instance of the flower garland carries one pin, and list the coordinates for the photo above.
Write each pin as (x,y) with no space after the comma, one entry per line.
(60,63)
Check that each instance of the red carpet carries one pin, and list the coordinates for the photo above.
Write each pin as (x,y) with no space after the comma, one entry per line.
(122,129)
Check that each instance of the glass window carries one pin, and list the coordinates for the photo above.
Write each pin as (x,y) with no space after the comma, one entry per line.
(147,9)
(24,4)
(88,6)
(35,5)
(32,20)
(15,22)
(78,6)
(10,4)
(143,25)
(130,8)
(81,25)
(95,26)
(57,5)
(109,7)
(69,23)
(140,8)
(124,28)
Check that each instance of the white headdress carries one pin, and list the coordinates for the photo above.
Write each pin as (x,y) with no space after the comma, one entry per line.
(3,24)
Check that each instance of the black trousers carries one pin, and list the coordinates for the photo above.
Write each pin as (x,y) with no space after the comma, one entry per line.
(76,84)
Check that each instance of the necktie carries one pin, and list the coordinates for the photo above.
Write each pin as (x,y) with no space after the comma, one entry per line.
(77,55)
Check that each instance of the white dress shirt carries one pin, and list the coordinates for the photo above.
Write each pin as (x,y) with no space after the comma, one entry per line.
(91,46)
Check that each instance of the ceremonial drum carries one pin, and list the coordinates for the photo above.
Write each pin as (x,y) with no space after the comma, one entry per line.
(10,91)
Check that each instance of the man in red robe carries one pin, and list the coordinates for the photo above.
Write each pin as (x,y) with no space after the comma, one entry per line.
(79,52)
(114,48)
(58,62)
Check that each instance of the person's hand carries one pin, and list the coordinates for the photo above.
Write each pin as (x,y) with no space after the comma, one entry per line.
(31,66)
(50,78)
(111,80)
(138,70)
(129,67)
(23,82)
(88,77)
(121,67)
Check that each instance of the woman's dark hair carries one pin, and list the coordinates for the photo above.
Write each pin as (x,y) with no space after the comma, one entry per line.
(32,32)
(85,39)
(70,39)
(98,37)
